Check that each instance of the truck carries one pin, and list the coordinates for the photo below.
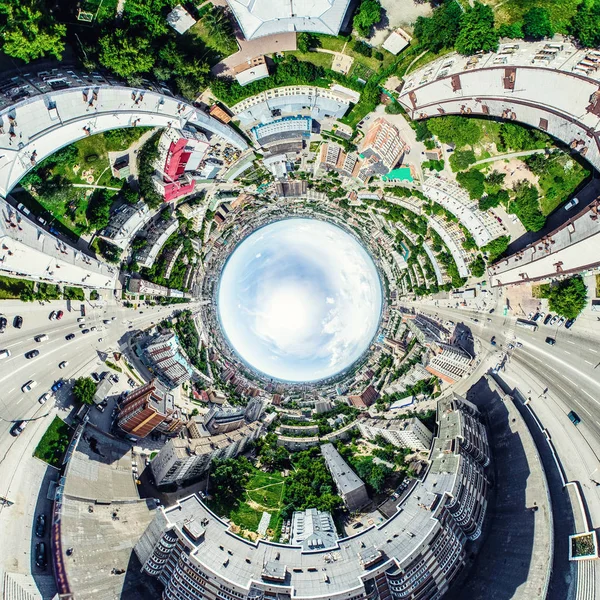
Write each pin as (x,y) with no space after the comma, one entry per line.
(83,310)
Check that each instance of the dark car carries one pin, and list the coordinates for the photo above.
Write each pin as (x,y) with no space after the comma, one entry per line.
(40,555)
(491,310)
(59,315)
(2,324)
(40,526)
(536,317)
(32,354)
(493,340)
(548,319)
(85,331)
(569,323)
(95,377)
(574,417)
(18,322)
(17,428)
(551,341)
(70,336)
(57,385)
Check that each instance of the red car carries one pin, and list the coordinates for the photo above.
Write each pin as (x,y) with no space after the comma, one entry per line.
(59,314)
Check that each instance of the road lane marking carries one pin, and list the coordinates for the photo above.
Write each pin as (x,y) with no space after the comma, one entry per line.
(566,352)
(570,342)
(589,363)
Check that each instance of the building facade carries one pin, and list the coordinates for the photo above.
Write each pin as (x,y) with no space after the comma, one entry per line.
(414,555)
(404,433)
(449,363)
(164,357)
(148,408)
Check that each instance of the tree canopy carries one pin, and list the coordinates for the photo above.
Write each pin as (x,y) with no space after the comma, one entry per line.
(537,23)
(125,54)
(473,182)
(567,298)
(228,478)
(452,129)
(367,15)
(29,32)
(526,206)
(477,33)
(585,25)
(84,390)
(441,29)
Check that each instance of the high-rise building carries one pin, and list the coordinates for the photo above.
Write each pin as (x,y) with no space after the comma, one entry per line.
(164,356)
(383,146)
(449,363)
(404,433)
(369,396)
(179,152)
(148,408)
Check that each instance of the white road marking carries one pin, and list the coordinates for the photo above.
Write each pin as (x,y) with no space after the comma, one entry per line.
(570,342)
(589,363)
(566,352)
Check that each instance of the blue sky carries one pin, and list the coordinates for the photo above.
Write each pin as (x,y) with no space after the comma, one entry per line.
(299,300)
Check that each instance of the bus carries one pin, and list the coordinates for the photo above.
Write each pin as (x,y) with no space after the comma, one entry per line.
(527,324)
(82,308)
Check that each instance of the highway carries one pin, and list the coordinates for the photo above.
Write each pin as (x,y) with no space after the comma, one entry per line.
(82,353)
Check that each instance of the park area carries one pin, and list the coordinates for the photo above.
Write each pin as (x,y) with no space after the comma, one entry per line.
(263,493)
(54,443)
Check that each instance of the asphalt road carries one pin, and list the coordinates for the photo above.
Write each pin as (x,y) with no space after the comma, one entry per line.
(571,366)
(82,353)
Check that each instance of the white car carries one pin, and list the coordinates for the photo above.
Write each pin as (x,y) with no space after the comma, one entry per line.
(44,398)
(63,364)
(572,203)
(81,320)
(27,387)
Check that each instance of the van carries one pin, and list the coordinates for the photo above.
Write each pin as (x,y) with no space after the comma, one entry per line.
(4,353)
(574,418)
(41,338)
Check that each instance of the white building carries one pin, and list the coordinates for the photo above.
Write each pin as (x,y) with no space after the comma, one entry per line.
(449,363)
(313,529)
(27,250)
(124,224)
(258,18)
(404,433)
(180,19)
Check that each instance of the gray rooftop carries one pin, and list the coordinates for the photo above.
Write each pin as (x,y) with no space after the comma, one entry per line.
(345,478)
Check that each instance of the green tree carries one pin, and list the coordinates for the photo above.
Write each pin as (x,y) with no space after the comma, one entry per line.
(477,33)
(451,129)
(568,298)
(477,267)
(526,206)
(441,29)
(585,25)
(537,23)
(306,41)
(518,137)
(98,209)
(462,159)
(512,31)
(29,31)
(149,16)
(496,247)
(495,178)
(367,15)
(126,54)
(84,390)
(473,182)
(228,478)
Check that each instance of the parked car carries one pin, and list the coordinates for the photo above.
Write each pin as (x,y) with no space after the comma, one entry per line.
(59,315)
(100,407)
(70,336)
(52,316)
(81,319)
(32,354)
(572,203)
(95,377)
(519,345)
(548,319)
(40,555)
(569,323)
(554,320)
(18,427)
(92,329)
(23,208)
(2,323)
(493,340)
(18,322)
(40,526)
(551,341)
(561,322)
(27,387)
(536,317)
(44,398)
(63,364)
(57,385)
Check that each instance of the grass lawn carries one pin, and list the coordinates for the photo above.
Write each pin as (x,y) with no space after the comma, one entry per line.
(12,288)
(54,443)
(269,497)
(246,517)
(321,59)
(509,11)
